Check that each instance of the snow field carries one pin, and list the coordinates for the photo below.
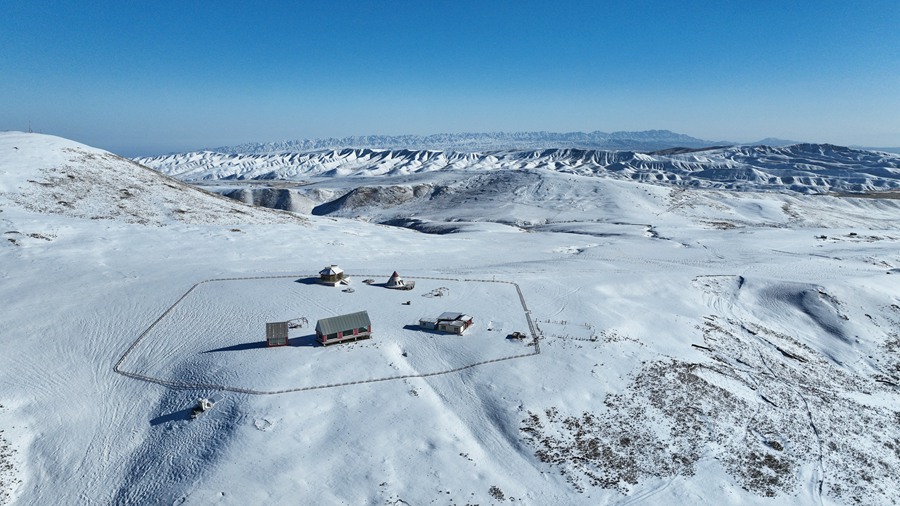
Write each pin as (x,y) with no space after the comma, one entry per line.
(703,303)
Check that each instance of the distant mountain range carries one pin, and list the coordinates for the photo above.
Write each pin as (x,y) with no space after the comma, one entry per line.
(803,168)
(649,140)
(886,150)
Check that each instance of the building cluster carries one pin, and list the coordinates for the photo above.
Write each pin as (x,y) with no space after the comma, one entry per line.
(356,326)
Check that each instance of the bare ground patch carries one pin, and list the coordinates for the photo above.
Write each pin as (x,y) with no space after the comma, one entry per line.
(781,419)
(9,474)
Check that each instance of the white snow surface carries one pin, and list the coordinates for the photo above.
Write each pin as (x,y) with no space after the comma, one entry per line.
(694,346)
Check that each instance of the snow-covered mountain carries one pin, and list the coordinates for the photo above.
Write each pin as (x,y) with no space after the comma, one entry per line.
(47,174)
(649,140)
(803,168)
(683,345)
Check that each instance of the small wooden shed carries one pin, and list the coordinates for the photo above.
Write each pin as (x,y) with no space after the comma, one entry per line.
(277,334)
(348,327)
(332,275)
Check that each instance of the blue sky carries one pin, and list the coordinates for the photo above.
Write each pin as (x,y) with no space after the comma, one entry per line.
(152,77)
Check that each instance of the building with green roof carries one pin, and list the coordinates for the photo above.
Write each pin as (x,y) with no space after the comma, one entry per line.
(348,327)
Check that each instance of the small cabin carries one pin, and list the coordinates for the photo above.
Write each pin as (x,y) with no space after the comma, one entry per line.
(277,334)
(332,275)
(452,323)
(348,327)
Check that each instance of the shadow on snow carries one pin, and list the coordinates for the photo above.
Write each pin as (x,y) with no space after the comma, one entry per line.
(175,416)
(295,342)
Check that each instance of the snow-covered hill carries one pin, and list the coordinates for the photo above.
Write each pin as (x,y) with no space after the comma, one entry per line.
(537,200)
(699,346)
(803,168)
(47,174)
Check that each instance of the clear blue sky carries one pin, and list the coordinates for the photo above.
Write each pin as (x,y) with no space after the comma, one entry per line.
(152,77)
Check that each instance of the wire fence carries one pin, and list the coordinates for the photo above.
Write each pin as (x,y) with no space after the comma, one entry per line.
(226,388)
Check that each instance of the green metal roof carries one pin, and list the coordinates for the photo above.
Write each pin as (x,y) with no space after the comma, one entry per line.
(343,323)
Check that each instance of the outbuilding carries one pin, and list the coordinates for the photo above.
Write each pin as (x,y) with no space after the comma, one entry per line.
(348,327)
(332,275)
(453,323)
(428,323)
(397,283)
(277,334)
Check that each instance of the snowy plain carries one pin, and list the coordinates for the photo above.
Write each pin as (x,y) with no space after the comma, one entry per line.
(696,346)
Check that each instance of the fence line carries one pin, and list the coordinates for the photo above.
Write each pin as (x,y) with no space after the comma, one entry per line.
(208,386)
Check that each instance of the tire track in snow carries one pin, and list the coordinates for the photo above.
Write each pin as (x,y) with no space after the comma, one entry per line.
(722,299)
(819,478)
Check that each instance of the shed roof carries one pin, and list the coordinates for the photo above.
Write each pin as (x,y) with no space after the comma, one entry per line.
(449,315)
(276,330)
(343,322)
(332,270)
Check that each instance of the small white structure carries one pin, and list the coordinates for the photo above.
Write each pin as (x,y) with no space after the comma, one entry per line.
(453,323)
(428,323)
(396,282)
(205,404)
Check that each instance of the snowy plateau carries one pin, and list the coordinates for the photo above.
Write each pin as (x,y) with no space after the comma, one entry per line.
(701,326)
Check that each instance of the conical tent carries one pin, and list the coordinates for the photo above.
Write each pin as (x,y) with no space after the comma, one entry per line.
(395,280)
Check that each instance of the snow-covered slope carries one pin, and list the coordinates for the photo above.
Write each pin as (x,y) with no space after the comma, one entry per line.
(804,168)
(689,346)
(546,200)
(47,174)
